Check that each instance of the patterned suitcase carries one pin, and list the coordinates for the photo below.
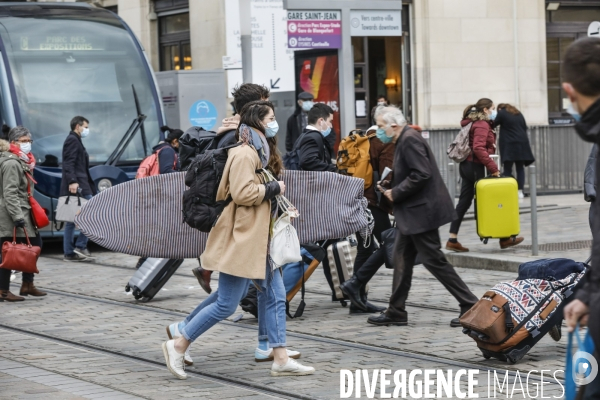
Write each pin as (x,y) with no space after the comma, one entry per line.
(341,266)
(497,208)
(527,309)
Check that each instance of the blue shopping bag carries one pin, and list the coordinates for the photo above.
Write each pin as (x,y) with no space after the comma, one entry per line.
(580,363)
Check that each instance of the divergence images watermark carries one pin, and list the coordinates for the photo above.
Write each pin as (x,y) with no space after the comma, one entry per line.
(437,383)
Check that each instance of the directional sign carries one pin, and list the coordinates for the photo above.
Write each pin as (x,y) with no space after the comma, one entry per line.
(594,29)
(272,60)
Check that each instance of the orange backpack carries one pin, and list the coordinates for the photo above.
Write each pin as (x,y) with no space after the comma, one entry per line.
(149,166)
(353,157)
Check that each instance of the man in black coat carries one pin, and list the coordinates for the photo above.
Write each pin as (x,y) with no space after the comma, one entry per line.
(421,205)
(76,178)
(582,84)
(314,150)
(298,121)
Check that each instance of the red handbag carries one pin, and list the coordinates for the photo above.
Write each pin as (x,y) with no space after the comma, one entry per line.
(19,256)
(40,218)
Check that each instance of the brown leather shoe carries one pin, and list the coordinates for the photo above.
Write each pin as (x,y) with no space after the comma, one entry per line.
(506,243)
(203,277)
(28,288)
(456,247)
(6,295)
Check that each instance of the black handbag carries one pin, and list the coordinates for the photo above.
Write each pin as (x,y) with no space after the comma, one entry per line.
(388,237)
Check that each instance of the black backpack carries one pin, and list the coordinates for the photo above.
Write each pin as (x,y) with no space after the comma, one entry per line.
(291,160)
(195,141)
(200,207)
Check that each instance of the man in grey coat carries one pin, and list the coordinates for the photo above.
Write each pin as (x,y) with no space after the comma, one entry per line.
(421,205)
(589,184)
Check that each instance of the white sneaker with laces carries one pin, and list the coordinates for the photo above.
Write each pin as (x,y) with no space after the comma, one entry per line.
(174,360)
(291,368)
(173,333)
(267,355)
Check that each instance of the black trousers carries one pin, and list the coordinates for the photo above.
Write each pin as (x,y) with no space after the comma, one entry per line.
(520,171)
(470,173)
(5,273)
(428,246)
(382,223)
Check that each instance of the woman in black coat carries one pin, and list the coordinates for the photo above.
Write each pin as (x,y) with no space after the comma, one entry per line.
(514,143)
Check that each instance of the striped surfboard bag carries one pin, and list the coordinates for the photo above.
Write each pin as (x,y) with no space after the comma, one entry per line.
(143,217)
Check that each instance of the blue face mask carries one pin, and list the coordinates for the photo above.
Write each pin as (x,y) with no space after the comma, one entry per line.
(307,105)
(382,136)
(571,110)
(493,115)
(327,131)
(272,128)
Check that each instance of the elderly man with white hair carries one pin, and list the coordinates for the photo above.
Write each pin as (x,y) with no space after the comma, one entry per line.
(421,205)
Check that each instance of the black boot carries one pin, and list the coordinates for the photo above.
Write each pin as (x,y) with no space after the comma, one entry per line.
(371,308)
(351,288)
(356,310)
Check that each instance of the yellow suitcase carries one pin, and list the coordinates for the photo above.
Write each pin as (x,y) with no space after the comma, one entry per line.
(497,208)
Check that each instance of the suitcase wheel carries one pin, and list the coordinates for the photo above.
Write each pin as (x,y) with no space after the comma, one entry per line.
(515,355)
(127,288)
(485,241)
(344,303)
(145,299)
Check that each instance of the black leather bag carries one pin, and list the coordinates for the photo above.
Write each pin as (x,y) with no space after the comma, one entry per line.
(388,237)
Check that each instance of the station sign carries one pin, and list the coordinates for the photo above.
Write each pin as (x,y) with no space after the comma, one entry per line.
(375,23)
(314,29)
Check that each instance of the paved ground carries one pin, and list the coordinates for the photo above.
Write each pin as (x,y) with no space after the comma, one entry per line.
(90,339)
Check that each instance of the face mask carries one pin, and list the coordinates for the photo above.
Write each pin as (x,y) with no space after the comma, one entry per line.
(382,136)
(25,147)
(492,116)
(327,131)
(85,132)
(307,105)
(574,113)
(272,128)
(381,103)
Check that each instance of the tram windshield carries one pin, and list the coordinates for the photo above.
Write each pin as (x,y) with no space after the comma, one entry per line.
(64,66)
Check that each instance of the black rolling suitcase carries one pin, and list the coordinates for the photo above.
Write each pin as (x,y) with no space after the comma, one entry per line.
(151,276)
(524,330)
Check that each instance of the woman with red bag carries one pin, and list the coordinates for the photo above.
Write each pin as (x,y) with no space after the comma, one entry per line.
(16,163)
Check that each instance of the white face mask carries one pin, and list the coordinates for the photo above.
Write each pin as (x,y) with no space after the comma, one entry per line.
(85,132)
(25,147)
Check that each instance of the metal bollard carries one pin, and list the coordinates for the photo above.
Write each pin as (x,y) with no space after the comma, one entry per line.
(451,179)
(533,199)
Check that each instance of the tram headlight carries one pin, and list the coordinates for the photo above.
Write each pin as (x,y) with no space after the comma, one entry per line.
(104,184)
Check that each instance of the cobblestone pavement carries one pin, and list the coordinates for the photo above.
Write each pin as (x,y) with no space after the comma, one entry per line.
(95,333)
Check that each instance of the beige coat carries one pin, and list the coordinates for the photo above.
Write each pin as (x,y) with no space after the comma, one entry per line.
(237,244)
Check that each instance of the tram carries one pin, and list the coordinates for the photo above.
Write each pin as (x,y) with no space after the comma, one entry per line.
(59,60)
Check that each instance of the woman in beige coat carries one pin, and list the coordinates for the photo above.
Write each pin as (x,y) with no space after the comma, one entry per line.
(238,244)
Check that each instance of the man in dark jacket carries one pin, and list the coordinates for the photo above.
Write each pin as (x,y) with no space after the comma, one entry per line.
(167,151)
(314,151)
(582,84)
(421,205)
(298,121)
(76,178)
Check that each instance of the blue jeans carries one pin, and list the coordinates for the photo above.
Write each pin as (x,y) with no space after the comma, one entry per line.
(271,308)
(231,290)
(68,238)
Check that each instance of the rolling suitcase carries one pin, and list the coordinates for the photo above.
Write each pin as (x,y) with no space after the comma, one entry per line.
(497,208)
(341,266)
(513,316)
(151,276)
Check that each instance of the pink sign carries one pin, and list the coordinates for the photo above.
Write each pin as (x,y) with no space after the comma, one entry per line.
(314,30)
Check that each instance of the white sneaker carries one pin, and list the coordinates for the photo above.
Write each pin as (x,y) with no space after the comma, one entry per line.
(521,195)
(173,333)
(291,368)
(267,355)
(174,360)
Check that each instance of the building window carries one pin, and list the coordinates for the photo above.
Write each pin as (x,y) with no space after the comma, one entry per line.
(175,50)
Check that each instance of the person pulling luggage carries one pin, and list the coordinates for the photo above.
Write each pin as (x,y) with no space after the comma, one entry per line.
(421,205)
(381,157)
(482,141)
